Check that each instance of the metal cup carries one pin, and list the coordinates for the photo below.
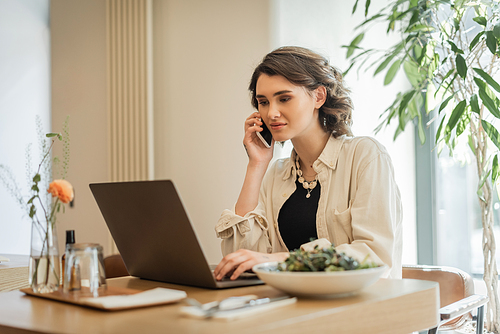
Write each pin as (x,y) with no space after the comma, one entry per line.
(84,270)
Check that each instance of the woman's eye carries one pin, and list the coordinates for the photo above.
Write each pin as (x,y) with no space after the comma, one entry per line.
(285,99)
(263,103)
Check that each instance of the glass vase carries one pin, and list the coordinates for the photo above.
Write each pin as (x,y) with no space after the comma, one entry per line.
(44,269)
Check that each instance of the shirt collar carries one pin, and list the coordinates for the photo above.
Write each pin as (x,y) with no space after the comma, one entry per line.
(329,157)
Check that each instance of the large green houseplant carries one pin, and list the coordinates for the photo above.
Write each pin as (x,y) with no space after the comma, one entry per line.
(449,51)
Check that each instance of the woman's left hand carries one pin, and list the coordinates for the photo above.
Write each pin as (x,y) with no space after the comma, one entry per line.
(243,260)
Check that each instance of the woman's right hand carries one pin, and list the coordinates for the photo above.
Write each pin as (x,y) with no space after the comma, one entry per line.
(257,152)
(259,157)
(234,264)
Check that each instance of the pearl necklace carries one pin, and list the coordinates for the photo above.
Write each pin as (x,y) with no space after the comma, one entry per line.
(308,185)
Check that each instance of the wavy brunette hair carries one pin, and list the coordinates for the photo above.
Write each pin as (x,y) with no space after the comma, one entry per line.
(303,67)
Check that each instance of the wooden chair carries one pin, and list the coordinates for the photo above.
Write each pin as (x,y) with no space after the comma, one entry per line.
(114,266)
(456,292)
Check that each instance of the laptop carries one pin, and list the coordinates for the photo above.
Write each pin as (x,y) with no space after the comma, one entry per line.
(154,235)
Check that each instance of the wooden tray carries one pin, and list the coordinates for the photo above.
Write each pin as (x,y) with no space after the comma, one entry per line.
(75,298)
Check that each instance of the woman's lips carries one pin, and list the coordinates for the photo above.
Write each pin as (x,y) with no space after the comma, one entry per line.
(277,126)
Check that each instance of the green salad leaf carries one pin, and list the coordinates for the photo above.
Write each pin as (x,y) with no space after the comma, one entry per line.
(323,259)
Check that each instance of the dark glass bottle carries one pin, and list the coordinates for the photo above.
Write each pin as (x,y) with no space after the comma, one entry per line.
(70,239)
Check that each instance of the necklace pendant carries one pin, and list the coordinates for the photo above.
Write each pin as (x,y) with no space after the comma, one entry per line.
(308,195)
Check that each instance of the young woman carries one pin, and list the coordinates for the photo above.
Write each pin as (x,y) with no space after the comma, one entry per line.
(334,188)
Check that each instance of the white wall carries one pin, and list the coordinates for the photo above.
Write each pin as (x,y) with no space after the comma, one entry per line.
(326,25)
(204,54)
(79,90)
(24,93)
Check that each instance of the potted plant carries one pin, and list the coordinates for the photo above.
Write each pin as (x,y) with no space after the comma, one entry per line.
(449,51)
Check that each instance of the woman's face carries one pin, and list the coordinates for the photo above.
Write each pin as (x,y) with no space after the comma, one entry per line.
(289,111)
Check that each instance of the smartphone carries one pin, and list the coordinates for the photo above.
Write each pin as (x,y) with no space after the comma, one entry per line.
(265,135)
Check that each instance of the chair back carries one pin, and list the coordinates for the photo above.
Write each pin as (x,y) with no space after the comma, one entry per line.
(114,266)
(454,285)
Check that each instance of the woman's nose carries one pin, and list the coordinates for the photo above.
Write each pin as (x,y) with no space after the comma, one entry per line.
(273,111)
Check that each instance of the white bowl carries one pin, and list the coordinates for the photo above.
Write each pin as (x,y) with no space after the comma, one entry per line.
(318,284)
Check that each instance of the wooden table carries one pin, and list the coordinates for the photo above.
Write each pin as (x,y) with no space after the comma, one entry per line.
(14,273)
(388,306)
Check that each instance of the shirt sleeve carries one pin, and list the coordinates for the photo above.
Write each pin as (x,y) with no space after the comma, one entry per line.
(247,232)
(376,216)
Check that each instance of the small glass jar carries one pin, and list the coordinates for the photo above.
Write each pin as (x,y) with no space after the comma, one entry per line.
(84,270)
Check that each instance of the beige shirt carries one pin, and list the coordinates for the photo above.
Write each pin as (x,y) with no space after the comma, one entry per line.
(359,208)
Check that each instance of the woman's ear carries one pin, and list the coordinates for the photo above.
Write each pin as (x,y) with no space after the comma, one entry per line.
(320,96)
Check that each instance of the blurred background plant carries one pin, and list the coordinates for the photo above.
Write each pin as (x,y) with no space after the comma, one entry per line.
(449,51)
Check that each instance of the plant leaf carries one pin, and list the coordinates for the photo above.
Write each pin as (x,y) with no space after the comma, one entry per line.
(454,48)
(475,40)
(462,125)
(374,17)
(491,41)
(354,44)
(455,116)
(383,64)
(391,73)
(348,69)
(480,20)
(489,103)
(414,73)
(461,66)
(496,30)
(488,79)
(421,27)
(402,107)
(421,132)
(32,211)
(355,7)
(405,100)
(445,103)
(415,16)
(474,104)
(413,109)
(492,132)
(446,77)
(367,6)
(32,199)
(50,135)
(397,133)
(439,133)
(471,145)
(480,83)
(389,58)
(37,178)
(494,169)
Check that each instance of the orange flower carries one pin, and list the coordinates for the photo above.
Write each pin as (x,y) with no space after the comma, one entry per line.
(62,189)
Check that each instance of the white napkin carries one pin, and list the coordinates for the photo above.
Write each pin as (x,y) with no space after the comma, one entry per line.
(195,312)
(150,297)
(4,259)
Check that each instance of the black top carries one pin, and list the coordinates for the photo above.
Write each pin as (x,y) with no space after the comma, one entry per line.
(297,217)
